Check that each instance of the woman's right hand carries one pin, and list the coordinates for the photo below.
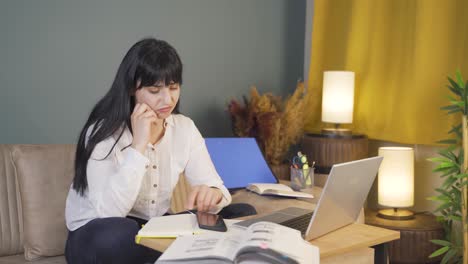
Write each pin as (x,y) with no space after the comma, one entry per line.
(142,118)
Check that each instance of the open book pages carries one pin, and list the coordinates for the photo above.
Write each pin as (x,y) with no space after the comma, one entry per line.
(276,189)
(172,226)
(260,240)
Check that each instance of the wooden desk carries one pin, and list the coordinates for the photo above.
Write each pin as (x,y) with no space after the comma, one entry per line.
(344,240)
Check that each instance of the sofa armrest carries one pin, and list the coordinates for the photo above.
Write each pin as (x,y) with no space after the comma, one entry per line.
(11,228)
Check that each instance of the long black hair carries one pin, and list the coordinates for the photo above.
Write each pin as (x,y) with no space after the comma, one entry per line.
(147,62)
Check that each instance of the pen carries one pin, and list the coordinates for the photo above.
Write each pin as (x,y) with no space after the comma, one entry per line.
(306,170)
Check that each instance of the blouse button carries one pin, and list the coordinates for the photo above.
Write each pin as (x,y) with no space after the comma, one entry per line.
(154,166)
(152,149)
(155,185)
(152,201)
(147,166)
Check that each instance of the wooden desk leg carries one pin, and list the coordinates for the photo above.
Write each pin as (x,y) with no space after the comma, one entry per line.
(381,254)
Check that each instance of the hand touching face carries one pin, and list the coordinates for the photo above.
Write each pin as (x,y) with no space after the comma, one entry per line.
(143,118)
(160,98)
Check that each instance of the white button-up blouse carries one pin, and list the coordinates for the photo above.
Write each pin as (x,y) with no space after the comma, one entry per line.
(129,183)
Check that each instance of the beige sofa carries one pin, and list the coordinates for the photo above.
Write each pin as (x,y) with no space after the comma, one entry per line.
(34,182)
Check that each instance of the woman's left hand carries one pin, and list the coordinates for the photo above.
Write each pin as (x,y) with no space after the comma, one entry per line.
(204,197)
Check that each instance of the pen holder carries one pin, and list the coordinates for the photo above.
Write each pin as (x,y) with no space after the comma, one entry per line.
(302,178)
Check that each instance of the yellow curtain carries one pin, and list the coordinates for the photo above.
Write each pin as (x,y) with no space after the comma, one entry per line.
(402,52)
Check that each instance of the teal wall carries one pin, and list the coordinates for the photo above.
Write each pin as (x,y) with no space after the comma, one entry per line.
(57,58)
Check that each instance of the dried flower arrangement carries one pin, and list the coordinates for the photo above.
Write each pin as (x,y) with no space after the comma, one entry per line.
(276,124)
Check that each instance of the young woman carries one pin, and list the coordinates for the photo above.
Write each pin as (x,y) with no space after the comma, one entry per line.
(128,160)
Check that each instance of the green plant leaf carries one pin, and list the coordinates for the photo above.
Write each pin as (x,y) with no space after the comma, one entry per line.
(439,198)
(438,159)
(455,85)
(444,192)
(455,218)
(455,91)
(460,104)
(456,128)
(459,134)
(447,164)
(452,148)
(459,77)
(458,239)
(441,242)
(448,141)
(448,153)
(456,208)
(455,192)
(463,184)
(449,97)
(450,172)
(443,169)
(439,252)
(432,198)
(449,182)
(442,207)
(451,107)
(450,254)
(455,111)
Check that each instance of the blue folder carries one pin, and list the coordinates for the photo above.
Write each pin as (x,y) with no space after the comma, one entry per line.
(239,161)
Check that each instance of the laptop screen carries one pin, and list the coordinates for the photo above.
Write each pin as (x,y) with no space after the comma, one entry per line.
(239,162)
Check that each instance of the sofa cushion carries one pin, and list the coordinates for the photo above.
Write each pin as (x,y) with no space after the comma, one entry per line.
(19,259)
(44,174)
(10,207)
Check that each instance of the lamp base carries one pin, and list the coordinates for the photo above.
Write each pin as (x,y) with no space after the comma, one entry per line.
(336,131)
(327,150)
(396,214)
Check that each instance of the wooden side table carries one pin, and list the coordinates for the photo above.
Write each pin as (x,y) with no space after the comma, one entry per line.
(327,150)
(414,245)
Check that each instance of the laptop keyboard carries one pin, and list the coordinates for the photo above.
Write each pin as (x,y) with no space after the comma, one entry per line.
(300,222)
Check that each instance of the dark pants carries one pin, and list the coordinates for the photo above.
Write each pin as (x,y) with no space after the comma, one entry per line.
(112,240)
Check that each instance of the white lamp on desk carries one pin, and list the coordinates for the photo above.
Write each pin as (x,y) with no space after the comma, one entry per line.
(396,182)
(337,100)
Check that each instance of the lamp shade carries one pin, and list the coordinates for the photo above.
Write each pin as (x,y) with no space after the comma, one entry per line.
(338,97)
(396,177)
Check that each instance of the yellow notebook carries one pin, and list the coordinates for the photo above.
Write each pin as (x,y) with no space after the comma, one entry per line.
(173,226)
(170,226)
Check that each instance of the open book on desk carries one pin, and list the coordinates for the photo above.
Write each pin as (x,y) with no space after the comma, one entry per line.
(276,189)
(262,242)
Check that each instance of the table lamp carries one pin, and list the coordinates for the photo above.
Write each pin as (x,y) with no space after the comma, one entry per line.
(334,144)
(396,182)
(337,100)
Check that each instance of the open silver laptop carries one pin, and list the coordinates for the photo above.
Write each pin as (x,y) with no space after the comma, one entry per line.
(339,205)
